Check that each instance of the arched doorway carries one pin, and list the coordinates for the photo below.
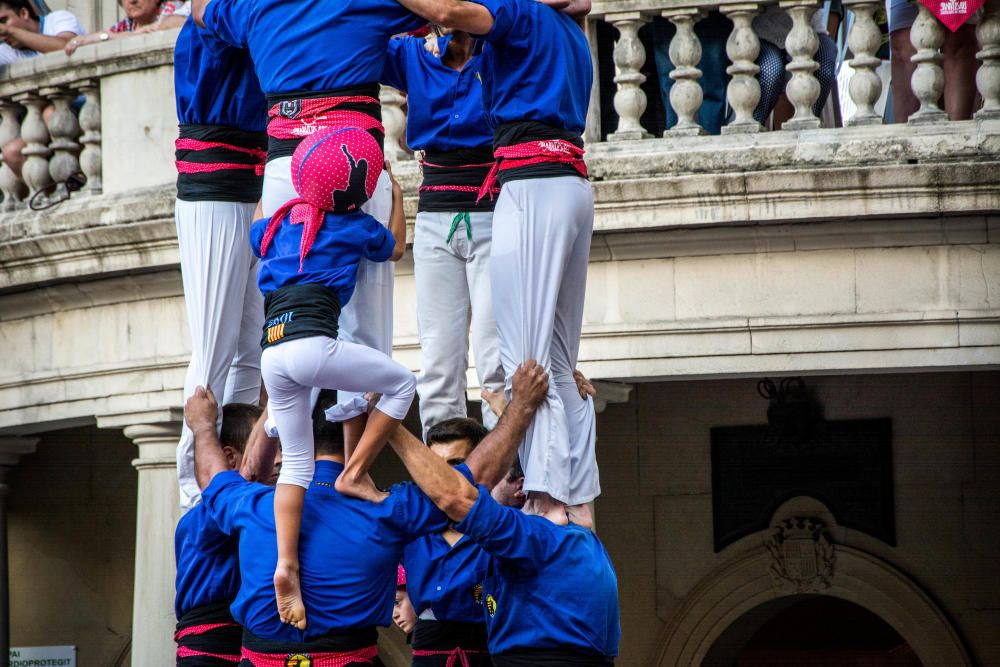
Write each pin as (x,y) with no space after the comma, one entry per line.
(810,631)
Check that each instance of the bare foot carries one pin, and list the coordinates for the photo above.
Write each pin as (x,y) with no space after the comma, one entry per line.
(291,610)
(497,400)
(363,488)
(581,515)
(543,504)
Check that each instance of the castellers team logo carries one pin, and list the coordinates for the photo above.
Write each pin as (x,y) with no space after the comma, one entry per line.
(290,108)
(477,593)
(298,660)
(491,605)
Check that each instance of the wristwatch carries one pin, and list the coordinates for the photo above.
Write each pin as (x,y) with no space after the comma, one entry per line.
(104,36)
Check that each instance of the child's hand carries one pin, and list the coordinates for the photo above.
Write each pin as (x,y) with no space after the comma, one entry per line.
(201,410)
(530,384)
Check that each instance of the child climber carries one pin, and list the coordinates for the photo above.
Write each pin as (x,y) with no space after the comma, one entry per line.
(309,250)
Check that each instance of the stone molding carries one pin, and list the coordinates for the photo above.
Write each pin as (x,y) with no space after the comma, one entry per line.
(745,582)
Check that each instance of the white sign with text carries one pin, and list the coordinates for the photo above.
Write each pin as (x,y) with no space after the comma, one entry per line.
(43,656)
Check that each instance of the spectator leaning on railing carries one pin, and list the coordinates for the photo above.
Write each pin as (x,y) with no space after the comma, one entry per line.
(26,32)
(141,16)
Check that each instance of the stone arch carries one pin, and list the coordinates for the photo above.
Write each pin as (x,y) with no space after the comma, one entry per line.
(745,583)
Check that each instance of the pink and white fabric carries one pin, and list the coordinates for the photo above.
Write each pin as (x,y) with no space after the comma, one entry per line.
(953,13)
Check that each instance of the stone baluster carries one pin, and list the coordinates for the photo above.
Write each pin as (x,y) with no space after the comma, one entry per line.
(865,85)
(394,121)
(13,188)
(630,56)
(988,76)
(90,122)
(686,94)
(742,47)
(35,171)
(64,130)
(803,88)
(927,36)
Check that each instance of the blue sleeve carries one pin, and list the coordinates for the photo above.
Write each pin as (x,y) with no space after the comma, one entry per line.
(507,14)
(415,514)
(508,533)
(394,72)
(257,230)
(225,496)
(229,20)
(381,243)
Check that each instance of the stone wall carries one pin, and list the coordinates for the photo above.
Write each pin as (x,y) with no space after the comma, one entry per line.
(72,545)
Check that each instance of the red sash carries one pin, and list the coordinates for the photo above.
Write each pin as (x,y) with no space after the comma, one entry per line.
(314,659)
(558,151)
(295,119)
(194,630)
(953,13)
(186,167)
(454,655)
(456,188)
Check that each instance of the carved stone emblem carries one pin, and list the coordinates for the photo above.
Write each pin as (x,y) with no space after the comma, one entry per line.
(802,556)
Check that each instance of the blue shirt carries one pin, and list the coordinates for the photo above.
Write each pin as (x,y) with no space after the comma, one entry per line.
(446,579)
(314,46)
(207,572)
(342,240)
(448,113)
(535,65)
(215,84)
(348,551)
(548,586)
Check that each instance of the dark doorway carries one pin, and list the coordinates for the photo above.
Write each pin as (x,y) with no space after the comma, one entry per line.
(811,631)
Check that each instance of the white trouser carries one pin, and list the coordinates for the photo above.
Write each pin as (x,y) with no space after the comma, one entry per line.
(225,313)
(294,368)
(453,285)
(538,269)
(367,317)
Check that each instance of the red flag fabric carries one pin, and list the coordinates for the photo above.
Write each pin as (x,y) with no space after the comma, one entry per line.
(953,13)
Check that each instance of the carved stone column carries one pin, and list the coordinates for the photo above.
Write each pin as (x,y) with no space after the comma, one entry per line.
(11,451)
(927,36)
(686,94)
(630,56)
(865,85)
(988,76)
(13,188)
(394,121)
(742,47)
(90,122)
(35,171)
(64,130)
(157,511)
(803,88)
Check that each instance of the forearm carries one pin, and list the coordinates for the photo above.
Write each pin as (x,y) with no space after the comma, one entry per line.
(444,485)
(209,460)
(458,14)
(397,224)
(492,458)
(39,42)
(169,22)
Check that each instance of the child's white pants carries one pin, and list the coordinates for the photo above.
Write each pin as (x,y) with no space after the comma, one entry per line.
(538,267)
(292,370)
(225,312)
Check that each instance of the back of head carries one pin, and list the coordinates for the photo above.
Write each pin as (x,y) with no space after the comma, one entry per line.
(328,436)
(337,168)
(17,6)
(238,420)
(458,428)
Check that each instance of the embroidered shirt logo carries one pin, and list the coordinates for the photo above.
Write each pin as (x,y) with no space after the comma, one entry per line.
(290,108)
(298,660)
(276,326)
(491,605)
(477,593)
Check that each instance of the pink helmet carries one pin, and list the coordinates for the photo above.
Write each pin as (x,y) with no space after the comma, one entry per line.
(336,168)
(400,576)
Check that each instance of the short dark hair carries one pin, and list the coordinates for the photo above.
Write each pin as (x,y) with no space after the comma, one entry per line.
(328,437)
(238,420)
(18,5)
(458,428)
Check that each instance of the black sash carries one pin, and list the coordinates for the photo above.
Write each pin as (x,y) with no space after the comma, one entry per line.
(519,132)
(332,642)
(446,169)
(285,147)
(551,658)
(223,641)
(232,185)
(300,311)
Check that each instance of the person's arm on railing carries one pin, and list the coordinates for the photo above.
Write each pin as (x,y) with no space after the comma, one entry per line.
(20,38)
